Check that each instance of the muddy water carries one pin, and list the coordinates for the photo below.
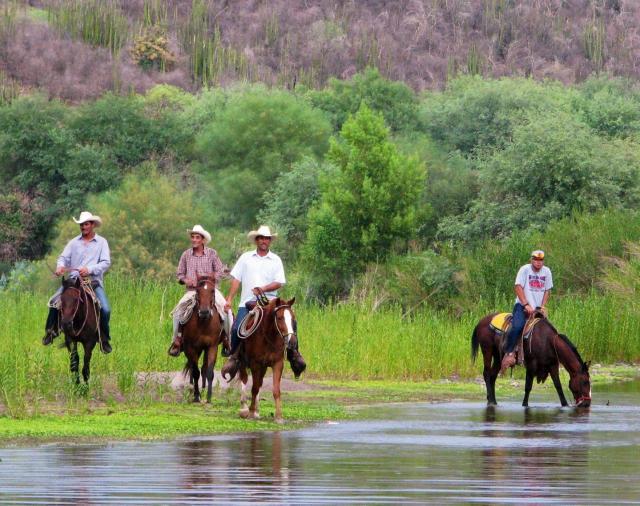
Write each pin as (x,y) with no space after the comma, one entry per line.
(450,453)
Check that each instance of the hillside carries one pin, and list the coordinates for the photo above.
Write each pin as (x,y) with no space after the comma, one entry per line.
(56,45)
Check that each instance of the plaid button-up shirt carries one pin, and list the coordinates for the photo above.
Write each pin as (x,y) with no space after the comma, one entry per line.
(191,266)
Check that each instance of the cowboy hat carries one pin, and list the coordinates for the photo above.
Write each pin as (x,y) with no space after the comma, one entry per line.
(197,229)
(263,231)
(87,216)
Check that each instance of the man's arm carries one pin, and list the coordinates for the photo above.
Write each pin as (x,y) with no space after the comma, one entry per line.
(522,298)
(271,287)
(233,289)
(545,297)
(103,264)
(64,260)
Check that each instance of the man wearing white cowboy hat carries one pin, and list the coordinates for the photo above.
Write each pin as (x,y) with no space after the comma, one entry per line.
(259,271)
(85,255)
(197,260)
(532,287)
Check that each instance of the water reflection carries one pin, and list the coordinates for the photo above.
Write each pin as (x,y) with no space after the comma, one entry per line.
(448,453)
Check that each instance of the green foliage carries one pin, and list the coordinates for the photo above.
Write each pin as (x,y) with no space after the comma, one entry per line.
(395,100)
(120,125)
(256,137)
(610,106)
(475,113)
(287,205)
(560,167)
(368,206)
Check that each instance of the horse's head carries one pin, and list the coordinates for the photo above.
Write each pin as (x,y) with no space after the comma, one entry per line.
(285,318)
(70,301)
(580,386)
(205,296)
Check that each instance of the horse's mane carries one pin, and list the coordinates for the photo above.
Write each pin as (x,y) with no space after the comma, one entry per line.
(571,346)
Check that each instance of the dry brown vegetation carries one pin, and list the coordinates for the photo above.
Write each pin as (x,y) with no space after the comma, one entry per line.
(288,42)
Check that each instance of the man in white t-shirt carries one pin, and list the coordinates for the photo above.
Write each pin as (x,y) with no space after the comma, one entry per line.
(532,287)
(258,271)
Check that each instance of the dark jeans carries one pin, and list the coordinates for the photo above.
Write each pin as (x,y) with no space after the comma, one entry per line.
(517,325)
(105,314)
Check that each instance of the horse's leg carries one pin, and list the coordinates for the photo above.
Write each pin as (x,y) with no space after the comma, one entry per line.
(88,350)
(74,361)
(555,376)
(528,384)
(210,362)
(277,376)
(257,375)
(489,376)
(244,379)
(195,375)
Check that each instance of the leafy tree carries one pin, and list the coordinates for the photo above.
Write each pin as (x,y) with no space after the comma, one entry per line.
(395,100)
(554,167)
(256,137)
(367,208)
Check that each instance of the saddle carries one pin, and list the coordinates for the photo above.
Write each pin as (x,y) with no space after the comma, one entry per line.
(501,324)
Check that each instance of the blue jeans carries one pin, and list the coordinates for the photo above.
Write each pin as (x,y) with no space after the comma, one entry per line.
(235,340)
(517,325)
(105,311)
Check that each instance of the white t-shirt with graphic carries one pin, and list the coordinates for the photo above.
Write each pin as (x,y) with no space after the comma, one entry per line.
(534,283)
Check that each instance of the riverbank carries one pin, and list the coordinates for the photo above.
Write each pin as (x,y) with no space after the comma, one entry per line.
(304,403)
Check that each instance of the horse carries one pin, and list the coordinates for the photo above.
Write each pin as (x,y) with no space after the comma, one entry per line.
(80,322)
(544,351)
(265,347)
(201,335)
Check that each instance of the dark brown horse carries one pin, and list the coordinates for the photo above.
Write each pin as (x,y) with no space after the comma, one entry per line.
(201,336)
(544,351)
(79,320)
(266,348)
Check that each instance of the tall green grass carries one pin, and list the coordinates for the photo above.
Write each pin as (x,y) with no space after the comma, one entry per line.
(97,22)
(345,341)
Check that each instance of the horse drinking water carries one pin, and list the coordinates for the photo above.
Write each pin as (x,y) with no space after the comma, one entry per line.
(544,351)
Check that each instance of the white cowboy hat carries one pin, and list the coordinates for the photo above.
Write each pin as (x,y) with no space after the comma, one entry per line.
(197,229)
(263,230)
(87,216)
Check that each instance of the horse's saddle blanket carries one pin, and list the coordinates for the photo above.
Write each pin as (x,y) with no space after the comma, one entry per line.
(502,323)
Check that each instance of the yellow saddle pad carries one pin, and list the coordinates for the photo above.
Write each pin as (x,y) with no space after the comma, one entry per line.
(501,322)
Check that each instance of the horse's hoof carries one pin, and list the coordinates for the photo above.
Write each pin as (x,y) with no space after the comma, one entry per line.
(255,416)
(244,413)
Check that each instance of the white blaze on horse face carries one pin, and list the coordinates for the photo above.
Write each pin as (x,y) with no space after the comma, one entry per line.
(205,286)
(288,320)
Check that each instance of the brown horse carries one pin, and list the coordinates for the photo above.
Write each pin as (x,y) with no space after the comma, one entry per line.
(201,336)
(79,320)
(264,348)
(543,352)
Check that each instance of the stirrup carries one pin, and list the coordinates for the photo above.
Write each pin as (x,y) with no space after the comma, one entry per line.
(176,347)
(49,336)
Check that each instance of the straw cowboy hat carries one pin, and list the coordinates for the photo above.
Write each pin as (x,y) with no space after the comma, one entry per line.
(263,231)
(87,216)
(197,229)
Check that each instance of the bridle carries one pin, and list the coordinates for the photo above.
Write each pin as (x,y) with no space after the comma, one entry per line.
(287,336)
(213,297)
(80,300)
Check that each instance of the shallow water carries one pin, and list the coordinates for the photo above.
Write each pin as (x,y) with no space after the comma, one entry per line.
(449,453)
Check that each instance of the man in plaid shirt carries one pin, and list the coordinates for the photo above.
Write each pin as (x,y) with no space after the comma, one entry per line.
(197,260)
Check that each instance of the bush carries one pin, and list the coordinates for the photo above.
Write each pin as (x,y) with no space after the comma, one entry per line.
(259,135)
(395,100)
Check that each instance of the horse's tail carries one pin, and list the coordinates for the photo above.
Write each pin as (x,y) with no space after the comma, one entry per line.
(475,344)
(187,372)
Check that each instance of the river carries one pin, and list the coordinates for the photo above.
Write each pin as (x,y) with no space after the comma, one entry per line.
(446,453)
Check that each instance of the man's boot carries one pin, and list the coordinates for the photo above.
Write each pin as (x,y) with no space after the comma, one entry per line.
(226,345)
(105,337)
(176,345)
(509,360)
(51,327)
(297,363)
(232,365)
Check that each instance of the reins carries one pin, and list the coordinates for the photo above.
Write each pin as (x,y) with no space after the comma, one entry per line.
(83,297)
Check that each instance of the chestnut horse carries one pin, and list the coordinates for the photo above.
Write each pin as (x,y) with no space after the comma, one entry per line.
(201,336)
(264,348)
(80,322)
(544,351)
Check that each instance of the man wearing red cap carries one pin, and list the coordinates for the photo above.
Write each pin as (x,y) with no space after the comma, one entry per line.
(532,286)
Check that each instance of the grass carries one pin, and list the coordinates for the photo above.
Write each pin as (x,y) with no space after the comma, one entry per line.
(343,342)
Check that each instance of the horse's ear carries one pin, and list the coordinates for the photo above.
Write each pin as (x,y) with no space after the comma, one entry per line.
(64,281)
(77,283)
(290,303)
(585,366)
